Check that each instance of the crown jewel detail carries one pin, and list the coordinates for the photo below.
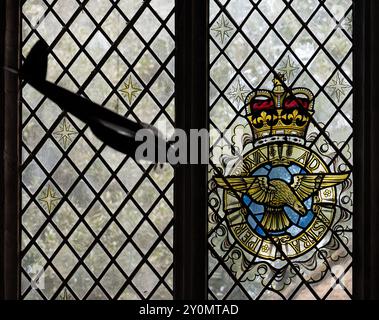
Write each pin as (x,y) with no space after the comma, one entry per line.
(280,112)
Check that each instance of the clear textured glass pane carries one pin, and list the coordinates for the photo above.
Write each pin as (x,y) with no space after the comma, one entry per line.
(90,213)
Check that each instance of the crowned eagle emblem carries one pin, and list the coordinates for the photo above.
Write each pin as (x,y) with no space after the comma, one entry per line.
(279,199)
(276,194)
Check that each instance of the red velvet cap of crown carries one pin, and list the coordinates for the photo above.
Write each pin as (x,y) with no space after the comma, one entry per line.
(289,103)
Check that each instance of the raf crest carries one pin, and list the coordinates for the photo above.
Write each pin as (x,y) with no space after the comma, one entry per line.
(279,200)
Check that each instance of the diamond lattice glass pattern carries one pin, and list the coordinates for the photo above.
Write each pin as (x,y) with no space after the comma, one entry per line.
(310,42)
(96,224)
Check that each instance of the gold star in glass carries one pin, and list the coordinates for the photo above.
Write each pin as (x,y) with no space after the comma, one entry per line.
(130,90)
(65,133)
(49,199)
(338,87)
(222,28)
(288,68)
(238,92)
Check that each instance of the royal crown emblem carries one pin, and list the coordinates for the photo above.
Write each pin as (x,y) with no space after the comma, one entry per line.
(281,114)
(279,199)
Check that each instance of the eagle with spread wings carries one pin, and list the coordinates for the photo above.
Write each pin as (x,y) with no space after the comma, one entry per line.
(276,194)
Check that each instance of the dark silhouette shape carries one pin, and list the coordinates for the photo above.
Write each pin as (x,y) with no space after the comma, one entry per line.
(114,130)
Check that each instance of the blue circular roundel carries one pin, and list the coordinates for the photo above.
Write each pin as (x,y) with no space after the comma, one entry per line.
(298,223)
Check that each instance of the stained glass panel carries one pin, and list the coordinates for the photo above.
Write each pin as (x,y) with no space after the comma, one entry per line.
(280,180)
(96,224)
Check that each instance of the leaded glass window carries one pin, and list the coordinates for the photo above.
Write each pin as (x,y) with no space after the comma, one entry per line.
(98,224)
(280,177)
